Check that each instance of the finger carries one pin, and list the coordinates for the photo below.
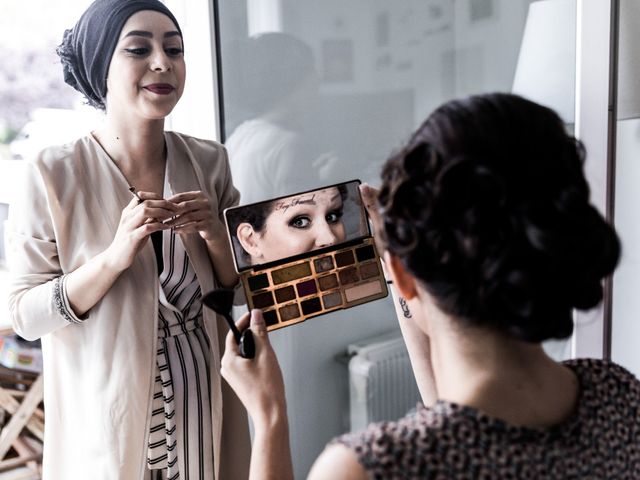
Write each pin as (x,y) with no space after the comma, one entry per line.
(160,214)
(132,204)
(185,196)
(149,195)
(190,206)
(370,198)
(258,327)
(230,343)
(243,322)
(148,228)
(161,203)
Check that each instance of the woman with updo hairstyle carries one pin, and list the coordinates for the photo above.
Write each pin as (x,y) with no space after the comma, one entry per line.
(490,242)
(114,239)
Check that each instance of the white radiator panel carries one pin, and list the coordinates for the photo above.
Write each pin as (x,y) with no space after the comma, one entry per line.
(381,381)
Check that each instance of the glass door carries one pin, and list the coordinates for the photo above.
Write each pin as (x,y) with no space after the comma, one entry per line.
(314,93)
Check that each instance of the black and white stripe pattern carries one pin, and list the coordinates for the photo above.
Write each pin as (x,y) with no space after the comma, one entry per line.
(180,436)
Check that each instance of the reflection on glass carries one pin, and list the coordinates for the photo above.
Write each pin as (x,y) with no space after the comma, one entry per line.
(272,230)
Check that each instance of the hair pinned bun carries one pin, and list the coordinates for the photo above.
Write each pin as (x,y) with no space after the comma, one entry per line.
(489,208)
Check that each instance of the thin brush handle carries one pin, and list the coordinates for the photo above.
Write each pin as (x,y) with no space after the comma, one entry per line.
(234,329)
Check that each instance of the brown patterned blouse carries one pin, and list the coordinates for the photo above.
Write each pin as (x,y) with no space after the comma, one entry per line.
(601,440)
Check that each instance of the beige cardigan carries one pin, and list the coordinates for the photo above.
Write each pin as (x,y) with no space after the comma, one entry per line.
(98,374)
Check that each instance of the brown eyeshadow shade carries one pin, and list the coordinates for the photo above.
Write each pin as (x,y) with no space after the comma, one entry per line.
(262,300)
(258,282)
(328,282)
(289,312)
(306,288)
(270,317)
(285,294)
(349,275)
(332,299)
(344,258)
(311,306)
(293,272)
(323,264)
(369,270)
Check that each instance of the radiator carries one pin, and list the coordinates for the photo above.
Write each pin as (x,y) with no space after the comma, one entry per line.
(381,381)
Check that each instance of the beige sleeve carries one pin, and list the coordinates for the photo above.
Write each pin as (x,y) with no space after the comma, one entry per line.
(36,289)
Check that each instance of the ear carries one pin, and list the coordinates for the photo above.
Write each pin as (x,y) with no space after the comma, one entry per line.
(403,281)
(248,237)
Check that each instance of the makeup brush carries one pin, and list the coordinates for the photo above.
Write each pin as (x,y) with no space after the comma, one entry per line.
(221,301)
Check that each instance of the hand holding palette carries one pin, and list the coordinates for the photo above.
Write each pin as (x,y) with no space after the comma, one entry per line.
(306,254)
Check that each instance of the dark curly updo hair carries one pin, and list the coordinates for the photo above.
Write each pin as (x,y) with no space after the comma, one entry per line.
(488,207)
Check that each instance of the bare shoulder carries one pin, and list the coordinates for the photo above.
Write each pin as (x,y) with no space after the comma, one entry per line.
(337,462)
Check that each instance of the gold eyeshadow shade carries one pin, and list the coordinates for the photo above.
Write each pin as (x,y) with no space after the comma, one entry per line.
(328,282)
(289,312)
(287,274)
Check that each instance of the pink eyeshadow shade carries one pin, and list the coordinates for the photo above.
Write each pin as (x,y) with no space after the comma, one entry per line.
(363,290)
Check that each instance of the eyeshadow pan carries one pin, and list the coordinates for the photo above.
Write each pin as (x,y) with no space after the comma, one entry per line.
(285,294)
(344,258)
(332,299)
(293,272)
(323,264)
(270,317)
(311,306)
(349,275)
(306,288)
(258,281)
(369,270)
(363,290)
(289,312)
(365,253)
(262,300)
(328,282)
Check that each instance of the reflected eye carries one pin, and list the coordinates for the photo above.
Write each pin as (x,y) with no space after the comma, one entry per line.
(300,222)
(334,217)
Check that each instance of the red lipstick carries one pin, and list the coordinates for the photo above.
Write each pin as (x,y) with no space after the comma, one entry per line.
(160,88)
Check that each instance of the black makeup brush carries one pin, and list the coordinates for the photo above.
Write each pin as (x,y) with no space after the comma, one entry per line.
(221,301)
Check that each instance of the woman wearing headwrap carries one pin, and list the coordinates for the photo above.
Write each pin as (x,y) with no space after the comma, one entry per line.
(111,282)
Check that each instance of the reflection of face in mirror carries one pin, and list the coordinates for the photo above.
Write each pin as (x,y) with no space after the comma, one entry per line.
(294,225)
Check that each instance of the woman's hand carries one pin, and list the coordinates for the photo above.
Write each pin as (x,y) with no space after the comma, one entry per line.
(195,212)
(137,222)
(370,199)
(258,381)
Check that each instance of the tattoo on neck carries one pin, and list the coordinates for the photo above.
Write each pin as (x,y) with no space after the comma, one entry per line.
(405,308)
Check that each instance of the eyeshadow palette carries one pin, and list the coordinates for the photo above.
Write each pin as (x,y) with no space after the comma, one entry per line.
(306,254)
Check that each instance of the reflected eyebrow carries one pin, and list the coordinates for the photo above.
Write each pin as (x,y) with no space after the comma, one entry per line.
(143,33)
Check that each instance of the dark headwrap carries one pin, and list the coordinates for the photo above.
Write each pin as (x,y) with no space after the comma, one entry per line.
(87,48)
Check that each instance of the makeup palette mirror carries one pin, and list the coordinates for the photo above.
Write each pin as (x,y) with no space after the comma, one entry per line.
(306,254)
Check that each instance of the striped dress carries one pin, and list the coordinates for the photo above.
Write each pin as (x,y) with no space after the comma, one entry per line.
(180,438)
